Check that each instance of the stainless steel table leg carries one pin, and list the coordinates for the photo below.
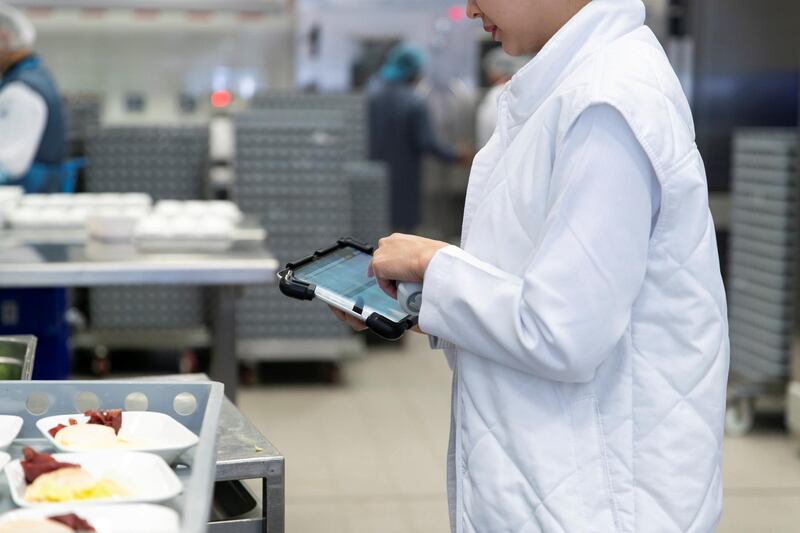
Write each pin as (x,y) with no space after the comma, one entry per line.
(273,492)
(224,366)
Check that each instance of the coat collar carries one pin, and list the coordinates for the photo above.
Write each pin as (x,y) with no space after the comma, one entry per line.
(592,28)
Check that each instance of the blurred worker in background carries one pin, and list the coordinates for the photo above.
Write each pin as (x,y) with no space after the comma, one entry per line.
(401,132)
(499,67)
(32,150)
(32,146)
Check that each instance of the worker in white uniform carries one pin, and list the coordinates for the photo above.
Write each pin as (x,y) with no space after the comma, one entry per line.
(584,314)
(32,146)
(498,67)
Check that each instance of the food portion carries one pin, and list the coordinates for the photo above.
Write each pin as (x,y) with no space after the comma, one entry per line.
(35,464)
(87,437)
(67,523)
(34,525)
(74,521)
(52,482)
(111,418)
(100,432)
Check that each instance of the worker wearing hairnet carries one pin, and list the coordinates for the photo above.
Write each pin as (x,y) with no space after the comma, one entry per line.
(583,314)
(401,132)
(32,146)
(498,67)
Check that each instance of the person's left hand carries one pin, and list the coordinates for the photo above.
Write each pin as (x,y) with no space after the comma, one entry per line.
(401,257)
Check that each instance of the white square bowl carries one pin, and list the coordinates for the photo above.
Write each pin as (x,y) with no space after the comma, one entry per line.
(10,426)
(127,518)
(147,477)
(168,437)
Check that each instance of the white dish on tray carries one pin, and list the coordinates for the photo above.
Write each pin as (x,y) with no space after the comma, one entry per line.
(128,518)
(147,477)
(158,433)
(10,426)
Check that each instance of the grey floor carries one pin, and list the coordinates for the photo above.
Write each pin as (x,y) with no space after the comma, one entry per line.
(367,456)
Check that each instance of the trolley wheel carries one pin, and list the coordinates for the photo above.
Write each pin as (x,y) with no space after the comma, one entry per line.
(331,373)
(740,416)
(101,363)
(188,362)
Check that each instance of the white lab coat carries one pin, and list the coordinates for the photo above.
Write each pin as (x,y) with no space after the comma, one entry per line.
(23,119)
(486,116)
(584,314)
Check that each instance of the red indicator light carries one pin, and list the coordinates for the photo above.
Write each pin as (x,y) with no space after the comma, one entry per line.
(221,98)
(456,13)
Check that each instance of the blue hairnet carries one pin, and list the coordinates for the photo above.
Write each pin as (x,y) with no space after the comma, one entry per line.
(404,63)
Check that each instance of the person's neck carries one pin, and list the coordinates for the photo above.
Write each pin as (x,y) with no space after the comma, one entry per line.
(13,59)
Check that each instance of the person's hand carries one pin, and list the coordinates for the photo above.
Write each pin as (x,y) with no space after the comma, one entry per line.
(351,321)
(356,324)
(402,257)
(465,154)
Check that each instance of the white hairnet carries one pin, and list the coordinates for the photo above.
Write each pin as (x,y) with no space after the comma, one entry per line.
(17,27)
(499,62)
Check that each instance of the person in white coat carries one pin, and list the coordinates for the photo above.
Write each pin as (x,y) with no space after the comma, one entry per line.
(499,67)
(584,314)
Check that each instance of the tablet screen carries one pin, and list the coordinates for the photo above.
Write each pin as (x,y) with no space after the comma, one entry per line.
(344,273)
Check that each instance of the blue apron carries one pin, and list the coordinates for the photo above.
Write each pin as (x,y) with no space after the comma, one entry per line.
(48,173)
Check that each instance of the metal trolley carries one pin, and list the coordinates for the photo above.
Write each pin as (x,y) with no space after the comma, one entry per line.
(762,266)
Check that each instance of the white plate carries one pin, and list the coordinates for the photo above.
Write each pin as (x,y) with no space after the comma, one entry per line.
(4,459)
(10,427)
(131,518)
(163,435)
(146,476)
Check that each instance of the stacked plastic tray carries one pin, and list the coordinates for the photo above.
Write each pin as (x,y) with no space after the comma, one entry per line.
(370,197)
(82,116)
(351,107)
(289,175)
(763,254)
(168,163)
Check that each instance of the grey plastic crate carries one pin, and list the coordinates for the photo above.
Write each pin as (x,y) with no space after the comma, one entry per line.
(59,398)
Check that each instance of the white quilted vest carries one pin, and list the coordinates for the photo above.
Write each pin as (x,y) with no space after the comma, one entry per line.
(638,449)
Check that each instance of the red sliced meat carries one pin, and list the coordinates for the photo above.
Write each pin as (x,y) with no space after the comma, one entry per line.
(111,418)
(75,522)
(55,430)
(35,464)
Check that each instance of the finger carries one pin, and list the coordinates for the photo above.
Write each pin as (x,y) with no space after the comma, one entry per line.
(370,270)
(356,324)
(341,315)
(388,286)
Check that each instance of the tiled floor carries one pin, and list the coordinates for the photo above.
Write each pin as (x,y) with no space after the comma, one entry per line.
(368,456)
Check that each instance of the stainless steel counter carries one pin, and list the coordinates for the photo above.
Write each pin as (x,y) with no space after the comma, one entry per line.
(24,264)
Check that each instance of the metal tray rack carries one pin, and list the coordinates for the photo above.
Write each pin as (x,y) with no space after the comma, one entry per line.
(201,401)
(762,271)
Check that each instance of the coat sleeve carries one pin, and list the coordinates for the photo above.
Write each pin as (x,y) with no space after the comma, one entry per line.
(563,317)
(23,118)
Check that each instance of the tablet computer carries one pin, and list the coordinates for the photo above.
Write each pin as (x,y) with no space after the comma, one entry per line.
(338,276)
